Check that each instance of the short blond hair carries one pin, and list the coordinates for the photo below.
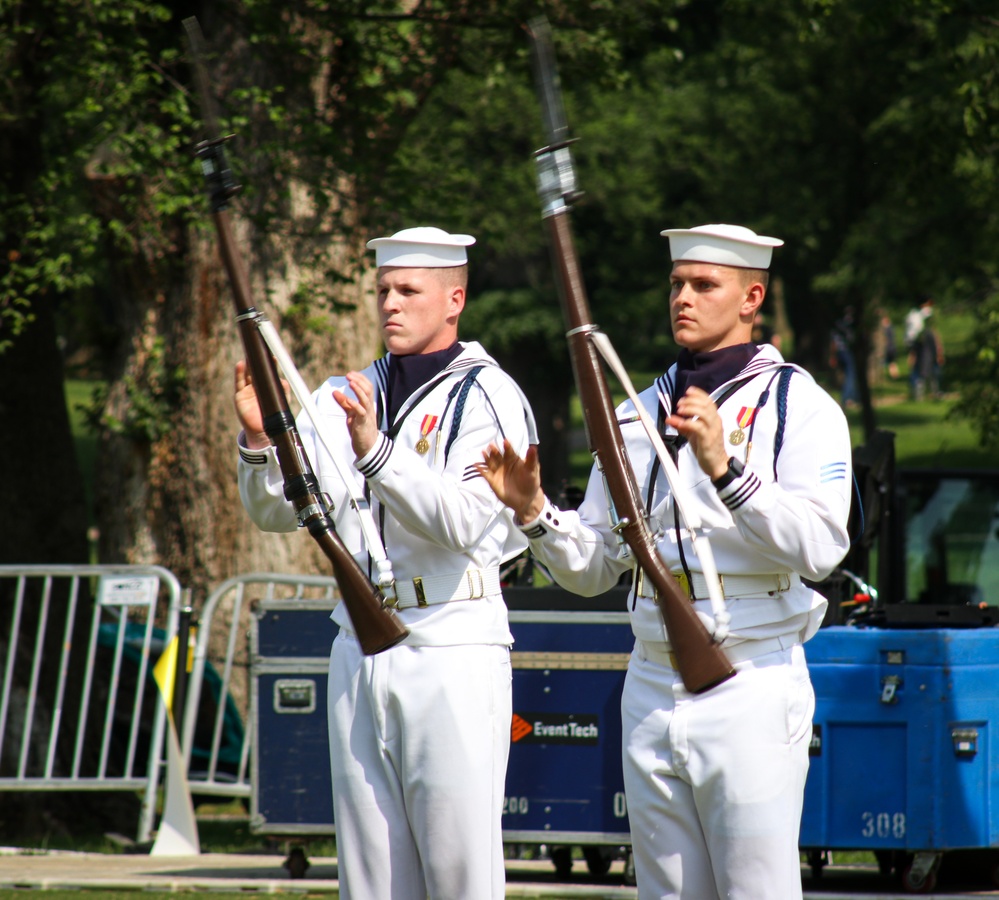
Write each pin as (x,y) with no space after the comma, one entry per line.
(751,275)
(452,276)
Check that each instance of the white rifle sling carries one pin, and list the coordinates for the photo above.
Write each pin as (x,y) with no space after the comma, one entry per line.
(702,548)
(358,502)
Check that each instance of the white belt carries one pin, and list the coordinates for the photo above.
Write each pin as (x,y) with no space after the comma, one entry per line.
(428,590)
(731,585)
(736,653)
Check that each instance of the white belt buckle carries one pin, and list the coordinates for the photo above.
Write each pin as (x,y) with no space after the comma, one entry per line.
(472,593)
(421,593)
(783,582)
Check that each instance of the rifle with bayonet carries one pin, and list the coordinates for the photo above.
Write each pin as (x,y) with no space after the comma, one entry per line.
(376,626)
(701,662)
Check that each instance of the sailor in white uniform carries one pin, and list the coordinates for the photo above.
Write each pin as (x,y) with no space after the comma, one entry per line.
(419,734)
(714,781)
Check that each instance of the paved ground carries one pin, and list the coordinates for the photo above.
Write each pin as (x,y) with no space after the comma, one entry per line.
(266,874)
(250,873)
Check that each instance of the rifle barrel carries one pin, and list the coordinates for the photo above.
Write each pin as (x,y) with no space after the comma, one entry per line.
(701,662)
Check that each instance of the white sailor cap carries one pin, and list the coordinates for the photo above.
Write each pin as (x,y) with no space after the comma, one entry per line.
(726,245)
(424,247)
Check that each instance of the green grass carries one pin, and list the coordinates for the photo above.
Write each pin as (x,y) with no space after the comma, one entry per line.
(927,433)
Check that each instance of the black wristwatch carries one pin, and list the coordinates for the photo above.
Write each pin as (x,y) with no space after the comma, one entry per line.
(734,470)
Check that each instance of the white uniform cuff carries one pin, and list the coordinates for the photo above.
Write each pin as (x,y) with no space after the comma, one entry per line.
(738,491)
(549,519)
(259,457)
(376,458)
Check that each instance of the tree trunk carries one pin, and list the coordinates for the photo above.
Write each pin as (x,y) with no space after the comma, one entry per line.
(166,489)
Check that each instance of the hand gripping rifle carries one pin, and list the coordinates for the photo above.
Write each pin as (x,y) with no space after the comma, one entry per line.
(701,662)
(377,628)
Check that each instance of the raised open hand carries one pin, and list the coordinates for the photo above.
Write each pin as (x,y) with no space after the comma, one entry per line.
(516,481)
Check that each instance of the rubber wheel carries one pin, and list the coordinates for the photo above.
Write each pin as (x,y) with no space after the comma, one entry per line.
(296,863)
(562,860)
(598,859)
(918,885)
(817,860)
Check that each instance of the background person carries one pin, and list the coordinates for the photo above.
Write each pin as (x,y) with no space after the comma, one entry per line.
(884,351)
(714,782)
(842,358)
(929,360)
(915,322)
(419,734)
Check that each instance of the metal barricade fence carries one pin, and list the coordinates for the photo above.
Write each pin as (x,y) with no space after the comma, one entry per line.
(217,757)
(79,709)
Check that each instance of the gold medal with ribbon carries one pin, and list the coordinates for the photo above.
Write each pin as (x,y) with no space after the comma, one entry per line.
(745,419)
(423,445)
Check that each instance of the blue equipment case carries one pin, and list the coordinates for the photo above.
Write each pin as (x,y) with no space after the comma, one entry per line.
(564,780)
(902,759)
(291,793)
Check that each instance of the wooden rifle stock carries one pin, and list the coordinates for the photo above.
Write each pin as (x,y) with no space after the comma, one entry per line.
(700,661)
(377,628)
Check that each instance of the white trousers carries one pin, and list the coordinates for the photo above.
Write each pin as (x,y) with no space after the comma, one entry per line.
(715,782)
(419,741)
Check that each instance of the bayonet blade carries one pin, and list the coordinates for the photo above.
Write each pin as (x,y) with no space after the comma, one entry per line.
(546,77)
(218,176)
(556,175)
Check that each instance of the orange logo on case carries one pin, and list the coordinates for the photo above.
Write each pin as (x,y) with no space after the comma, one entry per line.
(520,728)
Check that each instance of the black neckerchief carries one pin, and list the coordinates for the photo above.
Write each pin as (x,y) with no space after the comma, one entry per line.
(710,370)
(707,371)
(407,374)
